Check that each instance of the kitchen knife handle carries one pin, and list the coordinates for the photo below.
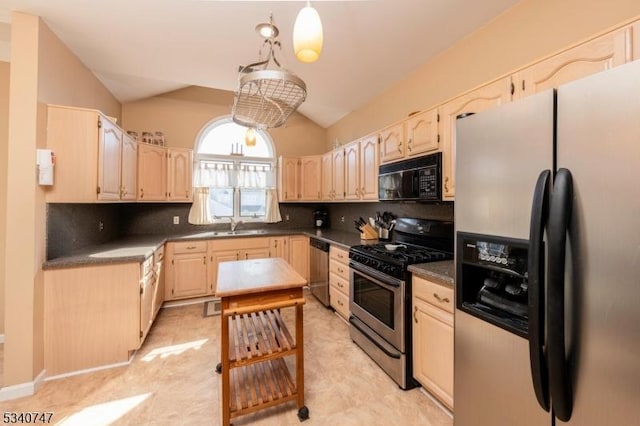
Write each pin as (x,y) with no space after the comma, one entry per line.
(539,214)
(557,231)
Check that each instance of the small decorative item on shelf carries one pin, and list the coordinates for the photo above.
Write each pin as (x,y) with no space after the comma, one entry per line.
(147,137)
(133,134)
(158,139)
(236,149)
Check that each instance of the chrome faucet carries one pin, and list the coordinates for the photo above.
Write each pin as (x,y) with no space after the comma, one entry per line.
(234,224)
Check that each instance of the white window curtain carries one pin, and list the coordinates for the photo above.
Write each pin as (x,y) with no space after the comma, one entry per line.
(208,174)
(224,175)
(262,176)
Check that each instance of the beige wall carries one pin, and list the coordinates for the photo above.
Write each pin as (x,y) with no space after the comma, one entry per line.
(524,33)
(4,137)
(43,71)
(183,113)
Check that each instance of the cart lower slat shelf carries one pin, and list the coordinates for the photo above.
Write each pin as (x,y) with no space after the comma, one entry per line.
(258,336)
(260,385)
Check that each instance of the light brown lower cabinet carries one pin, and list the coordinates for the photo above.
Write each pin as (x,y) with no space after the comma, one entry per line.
(186,270)
(97,316)
(433,338)
(339,281)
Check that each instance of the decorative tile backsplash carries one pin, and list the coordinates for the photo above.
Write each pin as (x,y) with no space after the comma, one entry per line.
(71,227)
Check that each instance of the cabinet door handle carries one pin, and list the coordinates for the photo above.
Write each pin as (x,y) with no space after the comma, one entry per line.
(400,147)
(190,247)
(141,192)
(204,260)
(415,311)
(446,181)
(440,299)
(186,194)
(340,270)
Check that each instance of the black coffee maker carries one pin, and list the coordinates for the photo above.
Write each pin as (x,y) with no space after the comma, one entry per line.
(320,219)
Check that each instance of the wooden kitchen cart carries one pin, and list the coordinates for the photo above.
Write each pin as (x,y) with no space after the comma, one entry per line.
(255,338)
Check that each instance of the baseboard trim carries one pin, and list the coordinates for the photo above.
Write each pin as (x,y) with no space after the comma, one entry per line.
(24,389)
(185,302)
(92,370)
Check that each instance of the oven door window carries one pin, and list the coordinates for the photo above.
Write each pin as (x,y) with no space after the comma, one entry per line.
(376,300)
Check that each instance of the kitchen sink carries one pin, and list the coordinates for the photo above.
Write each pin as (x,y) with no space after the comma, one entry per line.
(227,233)
(242,232)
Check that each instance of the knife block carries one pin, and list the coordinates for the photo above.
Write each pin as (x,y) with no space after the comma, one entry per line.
(368,233)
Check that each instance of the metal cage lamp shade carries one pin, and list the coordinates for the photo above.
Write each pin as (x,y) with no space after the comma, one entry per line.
(267,97)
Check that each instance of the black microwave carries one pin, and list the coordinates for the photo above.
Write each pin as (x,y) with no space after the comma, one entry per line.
(418,179)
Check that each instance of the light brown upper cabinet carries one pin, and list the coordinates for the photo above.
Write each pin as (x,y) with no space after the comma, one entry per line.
(392,143)
(310,178)
(333,170)
(338,175)
(152,172)
(327,176)
(352,171)
(361,169)
(481,99)
(300,178)
(369,162)
(129,175)
(289,178)
(422,133)
(93,157)
(180,172)
(605,52)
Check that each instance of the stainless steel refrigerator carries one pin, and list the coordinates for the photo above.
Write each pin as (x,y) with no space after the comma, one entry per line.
(547,216)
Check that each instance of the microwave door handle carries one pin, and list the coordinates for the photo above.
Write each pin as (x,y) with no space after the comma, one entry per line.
(539,215)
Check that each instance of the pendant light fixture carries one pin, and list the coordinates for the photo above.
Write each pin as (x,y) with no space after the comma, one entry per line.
(250,137)
(307,34)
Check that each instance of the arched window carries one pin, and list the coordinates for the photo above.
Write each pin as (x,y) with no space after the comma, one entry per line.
(236,171)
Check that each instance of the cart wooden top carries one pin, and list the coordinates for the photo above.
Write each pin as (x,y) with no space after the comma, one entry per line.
(256,276)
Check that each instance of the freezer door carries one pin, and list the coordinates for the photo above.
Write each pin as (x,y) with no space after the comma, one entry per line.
(599,142)
(500,154)
(492,380)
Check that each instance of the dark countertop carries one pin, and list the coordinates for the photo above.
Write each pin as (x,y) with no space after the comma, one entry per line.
(139,248)
(442,272)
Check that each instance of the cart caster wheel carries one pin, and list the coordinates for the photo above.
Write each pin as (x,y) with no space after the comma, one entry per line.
(219,368)
(303,413)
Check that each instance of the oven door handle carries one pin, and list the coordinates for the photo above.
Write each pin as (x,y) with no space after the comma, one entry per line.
(382,348)
(379,278)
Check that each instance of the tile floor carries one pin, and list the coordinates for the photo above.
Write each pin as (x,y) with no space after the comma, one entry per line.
(172,381)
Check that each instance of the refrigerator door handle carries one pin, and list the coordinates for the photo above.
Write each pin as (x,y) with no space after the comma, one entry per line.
(559,217)
(539,214)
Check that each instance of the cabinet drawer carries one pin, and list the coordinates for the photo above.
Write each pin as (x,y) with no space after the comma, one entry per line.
(436,294)
(339,283)
(339,254)
(239,243)
(189,247)
(340,269)
(339,302)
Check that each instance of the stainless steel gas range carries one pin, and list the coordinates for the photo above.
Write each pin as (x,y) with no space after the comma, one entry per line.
(380,300)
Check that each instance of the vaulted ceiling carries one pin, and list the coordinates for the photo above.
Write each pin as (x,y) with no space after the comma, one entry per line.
(141,48)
